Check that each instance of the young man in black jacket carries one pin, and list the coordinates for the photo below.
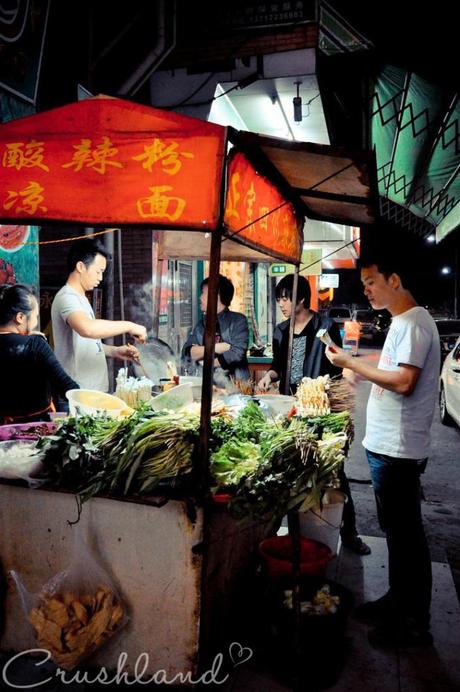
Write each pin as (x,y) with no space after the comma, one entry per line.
(309,360)
(232,336)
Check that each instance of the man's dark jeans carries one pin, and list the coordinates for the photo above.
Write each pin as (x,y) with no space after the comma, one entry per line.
(398,495)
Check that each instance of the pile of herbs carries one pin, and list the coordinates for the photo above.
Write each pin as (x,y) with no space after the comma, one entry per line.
(236,443)
(297,460)
(270,467)
(93,455)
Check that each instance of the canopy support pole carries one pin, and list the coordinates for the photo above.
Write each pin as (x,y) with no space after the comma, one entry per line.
(287,384)
(294,533)
(208,362)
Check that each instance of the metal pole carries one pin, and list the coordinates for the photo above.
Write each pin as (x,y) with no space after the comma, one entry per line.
(157,277)
(294,533)
(208,362)
(287,384)
(205,432)
(120,280)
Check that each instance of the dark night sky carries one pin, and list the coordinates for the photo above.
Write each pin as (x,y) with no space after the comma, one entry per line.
(422,37)
(431,288)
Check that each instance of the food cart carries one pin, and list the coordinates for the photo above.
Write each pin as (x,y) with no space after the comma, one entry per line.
(180,564)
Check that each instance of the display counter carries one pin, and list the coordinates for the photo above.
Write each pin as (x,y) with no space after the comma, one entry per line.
(154,556)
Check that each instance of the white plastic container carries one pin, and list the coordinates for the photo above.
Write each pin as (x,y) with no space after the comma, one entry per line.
(196,382)
(324,525)
(174,398)
(277,404)
(90,401)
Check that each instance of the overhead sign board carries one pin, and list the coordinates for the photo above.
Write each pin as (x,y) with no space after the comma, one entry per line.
(329,281)
(310,265)
(311,262)
(281,269)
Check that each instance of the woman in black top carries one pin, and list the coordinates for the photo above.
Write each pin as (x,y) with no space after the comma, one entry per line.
(308,353)
(309,360)
(29,370)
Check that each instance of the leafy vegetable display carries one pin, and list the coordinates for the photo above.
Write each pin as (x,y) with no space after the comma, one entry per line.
(281,465)
(98,455)
(268,466)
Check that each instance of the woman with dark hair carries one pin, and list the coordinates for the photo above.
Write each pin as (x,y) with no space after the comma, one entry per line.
(29,370)
(309,360)
(308,353)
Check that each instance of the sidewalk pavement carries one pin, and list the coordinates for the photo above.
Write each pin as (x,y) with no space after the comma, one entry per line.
(426,669)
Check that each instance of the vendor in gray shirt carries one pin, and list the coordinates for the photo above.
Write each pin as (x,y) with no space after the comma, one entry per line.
(77,334)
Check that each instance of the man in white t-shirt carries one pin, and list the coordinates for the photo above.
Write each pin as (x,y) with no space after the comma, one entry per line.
(77,334)
(397,440)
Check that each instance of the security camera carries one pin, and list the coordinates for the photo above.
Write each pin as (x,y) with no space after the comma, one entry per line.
(297,103)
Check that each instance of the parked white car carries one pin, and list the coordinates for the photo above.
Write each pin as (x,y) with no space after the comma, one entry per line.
(449,392)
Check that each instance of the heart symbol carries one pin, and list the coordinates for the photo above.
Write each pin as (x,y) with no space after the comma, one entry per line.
(239,654)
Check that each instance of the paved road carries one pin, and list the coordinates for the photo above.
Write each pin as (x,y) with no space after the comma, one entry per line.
(441,485)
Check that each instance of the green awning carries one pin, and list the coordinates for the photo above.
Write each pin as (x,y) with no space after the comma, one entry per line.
(415,129)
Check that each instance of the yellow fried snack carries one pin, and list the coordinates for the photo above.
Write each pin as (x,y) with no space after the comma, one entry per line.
(71,627)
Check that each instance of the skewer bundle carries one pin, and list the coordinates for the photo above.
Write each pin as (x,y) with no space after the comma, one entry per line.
(312,398)
(341,396)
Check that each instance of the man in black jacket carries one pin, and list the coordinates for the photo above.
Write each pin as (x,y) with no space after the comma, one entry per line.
(309,360)
(232,336)
(308,353)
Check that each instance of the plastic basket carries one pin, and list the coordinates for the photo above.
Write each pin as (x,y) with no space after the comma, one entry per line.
(26,431)
(91,401)
(276,553)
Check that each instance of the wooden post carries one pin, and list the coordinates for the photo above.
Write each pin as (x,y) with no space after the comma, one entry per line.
(293,518)
(294,533)
(287,385)
(208,362)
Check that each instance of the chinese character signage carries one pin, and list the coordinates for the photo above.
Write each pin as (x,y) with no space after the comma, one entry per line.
(311,262)
(257,213)
(281,269)
(105,161)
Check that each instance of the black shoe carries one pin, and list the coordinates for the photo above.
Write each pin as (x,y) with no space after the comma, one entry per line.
(377,611)
(356,545)
(387,636)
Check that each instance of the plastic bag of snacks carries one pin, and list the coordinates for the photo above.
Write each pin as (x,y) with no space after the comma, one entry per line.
(76,611)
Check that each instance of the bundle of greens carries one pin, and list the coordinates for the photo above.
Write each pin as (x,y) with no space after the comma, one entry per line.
(158,449)
(235,460)
(330,423)
(298,462)
(281,481)
(93,455)
(271,467)
(71,455)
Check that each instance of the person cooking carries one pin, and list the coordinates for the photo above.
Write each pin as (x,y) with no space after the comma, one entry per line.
(77,333)
(29,370)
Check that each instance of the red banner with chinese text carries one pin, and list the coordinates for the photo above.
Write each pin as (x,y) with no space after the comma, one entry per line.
(108,161)
(257,213)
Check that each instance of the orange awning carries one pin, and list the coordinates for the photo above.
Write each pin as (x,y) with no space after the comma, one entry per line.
(258,215)
(109,161)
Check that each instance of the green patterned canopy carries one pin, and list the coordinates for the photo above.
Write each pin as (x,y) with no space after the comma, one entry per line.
(415,131)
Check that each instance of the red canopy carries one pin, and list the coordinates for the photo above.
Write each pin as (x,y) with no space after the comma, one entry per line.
(109,161)
(106,161)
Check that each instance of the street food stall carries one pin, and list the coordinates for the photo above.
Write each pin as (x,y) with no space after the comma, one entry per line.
(178,559)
